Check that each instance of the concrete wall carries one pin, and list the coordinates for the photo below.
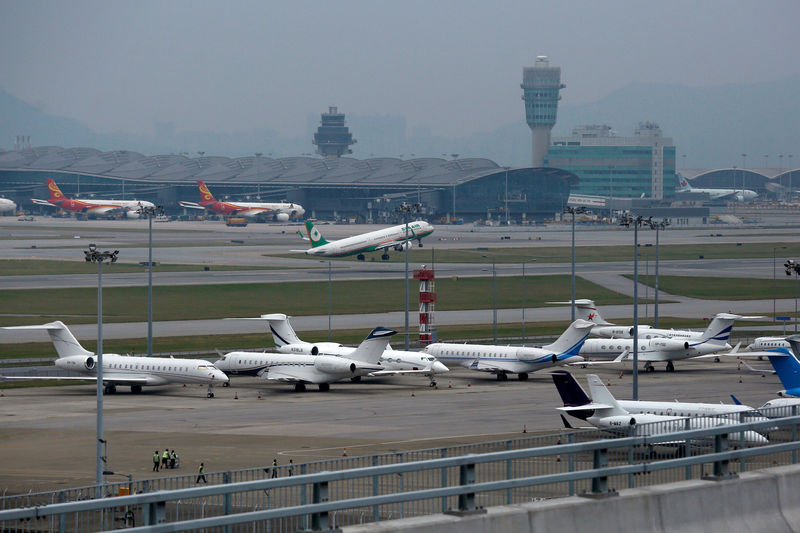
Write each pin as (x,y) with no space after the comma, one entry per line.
(766,501)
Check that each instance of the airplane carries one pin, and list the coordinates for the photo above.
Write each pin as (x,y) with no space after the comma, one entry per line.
(784,361)
(7,206)
(602,410)
(766,343)
(123,370)
(520,360)
(100,208)
(713,339)
(278,211)
(317,368)
(392,361)
(738,195)
(384,239)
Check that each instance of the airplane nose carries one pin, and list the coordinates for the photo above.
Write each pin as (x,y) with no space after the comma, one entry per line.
(218,375)
(439,368)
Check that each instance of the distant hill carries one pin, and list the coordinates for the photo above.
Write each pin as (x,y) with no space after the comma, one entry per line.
(713,126)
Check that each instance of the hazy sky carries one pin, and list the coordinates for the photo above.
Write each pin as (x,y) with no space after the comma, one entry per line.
(451,66)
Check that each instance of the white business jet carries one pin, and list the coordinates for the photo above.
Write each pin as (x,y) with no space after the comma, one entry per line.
(520,360)
(302,368)
(122,370)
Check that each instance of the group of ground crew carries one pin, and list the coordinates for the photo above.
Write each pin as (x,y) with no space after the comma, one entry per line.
(168,459)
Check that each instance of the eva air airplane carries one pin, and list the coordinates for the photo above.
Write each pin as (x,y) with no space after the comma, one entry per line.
(385,239)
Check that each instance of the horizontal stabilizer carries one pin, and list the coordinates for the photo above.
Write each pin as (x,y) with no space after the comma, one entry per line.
(585,407)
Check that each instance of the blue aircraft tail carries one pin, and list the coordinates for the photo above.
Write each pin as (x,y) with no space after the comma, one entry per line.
(787,367)
(571,393)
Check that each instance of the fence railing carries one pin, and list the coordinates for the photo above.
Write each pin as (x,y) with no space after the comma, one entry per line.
(453,482)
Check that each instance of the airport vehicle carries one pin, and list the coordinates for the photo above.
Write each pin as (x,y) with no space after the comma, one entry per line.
(602,410)
(520,360)
(392,361)
(737,195)
(7,206)
(316,368)
(122,370)
(373,241)
(97,208)
(277,211)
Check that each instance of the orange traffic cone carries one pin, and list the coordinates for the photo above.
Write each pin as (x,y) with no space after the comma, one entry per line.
(344,453)
(412,394)
(235,395)
(259,395)
(558,458)
(524,428)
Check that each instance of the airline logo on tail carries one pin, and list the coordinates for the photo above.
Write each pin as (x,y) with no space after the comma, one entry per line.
(55,193)
(314,235)
(205,194)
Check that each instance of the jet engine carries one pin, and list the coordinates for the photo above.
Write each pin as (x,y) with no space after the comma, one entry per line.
(403,247)
(131,214)
(623,421)
(78,363)
(670,344)
(302,349)
(282,217)
(334,365)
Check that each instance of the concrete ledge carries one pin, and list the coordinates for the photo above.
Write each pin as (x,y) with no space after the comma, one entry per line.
(766,501)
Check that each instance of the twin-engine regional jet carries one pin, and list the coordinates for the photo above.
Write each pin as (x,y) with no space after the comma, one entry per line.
(301,368)
(100,208)
(124,370)
(381,240)
(277,211)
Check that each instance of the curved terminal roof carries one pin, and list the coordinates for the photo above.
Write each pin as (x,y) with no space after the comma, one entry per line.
(300,171)
(733,177)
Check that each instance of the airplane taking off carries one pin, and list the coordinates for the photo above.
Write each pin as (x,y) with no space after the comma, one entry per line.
(122,370)
(384,239)
(602,410)
(520,360)
(392,361)
(713,339)
(7,205)
(100,208)
(314,368)
(278,211)
(737,195)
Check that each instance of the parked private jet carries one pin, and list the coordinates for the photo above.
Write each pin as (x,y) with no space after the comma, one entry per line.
(602,410)
(373,241)
(7,206)
(737,195)
(124,370)
(302,368)
(520,360)
(784,361)
(278,211)
(100,208)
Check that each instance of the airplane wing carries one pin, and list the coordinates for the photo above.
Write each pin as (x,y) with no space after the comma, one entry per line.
(191,205)
(105,209)
(498,366)
(619,359)
(133,379)
(751,369)
(290,373)
(42,202)
(733,352)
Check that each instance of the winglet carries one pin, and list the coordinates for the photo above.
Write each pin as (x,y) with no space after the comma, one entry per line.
(566,423)
(735,400)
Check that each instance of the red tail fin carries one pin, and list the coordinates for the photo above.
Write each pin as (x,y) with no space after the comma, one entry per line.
(55,193)
(205,194)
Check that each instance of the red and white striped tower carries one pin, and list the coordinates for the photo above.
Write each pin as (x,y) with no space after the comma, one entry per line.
(427,299)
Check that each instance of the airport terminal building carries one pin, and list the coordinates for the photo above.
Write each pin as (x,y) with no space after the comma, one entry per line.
(340,188)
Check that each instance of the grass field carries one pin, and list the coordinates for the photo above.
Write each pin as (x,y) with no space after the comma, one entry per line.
(34,267)
(708,288)
(192,302)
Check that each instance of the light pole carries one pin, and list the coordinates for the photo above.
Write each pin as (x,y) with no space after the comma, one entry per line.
(637,221)
(494,298)
(506,196)
(330,299)
(523,298)
(793,266)
(774,320)
(658,226)
(573,211)
(93,256)
(406,209)
(150,212)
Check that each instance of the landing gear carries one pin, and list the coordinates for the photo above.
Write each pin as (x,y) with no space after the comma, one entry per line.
(670,367)
(522,376)
(385,257)
(210,393)
(420,244)
(360,257)
(110,389)
(300,387)
(324,387)
(136,389)
(433,383)
(226,384)
(649,368)
(356,379)
(502,376)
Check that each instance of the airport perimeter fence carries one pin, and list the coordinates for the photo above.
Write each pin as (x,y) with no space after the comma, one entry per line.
(355,490)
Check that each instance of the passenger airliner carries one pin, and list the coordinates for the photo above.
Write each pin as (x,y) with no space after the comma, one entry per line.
(520,360)
(738,195)
(123,370)
(278,211)
(384,239)
(302,368)
(7,205)
(101,208)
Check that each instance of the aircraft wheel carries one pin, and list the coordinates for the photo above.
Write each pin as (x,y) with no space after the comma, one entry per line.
(299,387)
(649,368)
(385,257)
(670,367)
(110,389)
(522,376)
(360,257)
(136,389)
(502,376)
(210,395)
(433,384)
(226,384)
(716,359)
(324,387)
(420,244)
(356,379)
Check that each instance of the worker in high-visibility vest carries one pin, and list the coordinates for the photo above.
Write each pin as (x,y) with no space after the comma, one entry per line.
(155,461)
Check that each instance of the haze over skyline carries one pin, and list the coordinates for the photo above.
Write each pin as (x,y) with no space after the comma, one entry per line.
(449,68)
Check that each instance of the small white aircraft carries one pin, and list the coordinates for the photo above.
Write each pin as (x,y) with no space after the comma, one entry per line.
(661,349)
(279,211)
(520,360)
(602,410)
(767,343)
(301,368)
(392,361)
(122,370)
(738,195)
(380,240)
(7,206)
(101,208)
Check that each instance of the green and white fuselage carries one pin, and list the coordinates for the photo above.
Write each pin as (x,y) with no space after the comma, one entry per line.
(381,240)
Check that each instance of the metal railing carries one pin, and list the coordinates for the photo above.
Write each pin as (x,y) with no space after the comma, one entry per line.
(455,482)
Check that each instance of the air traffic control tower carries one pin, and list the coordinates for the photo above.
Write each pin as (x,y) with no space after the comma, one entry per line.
(540,86)
(333,139)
